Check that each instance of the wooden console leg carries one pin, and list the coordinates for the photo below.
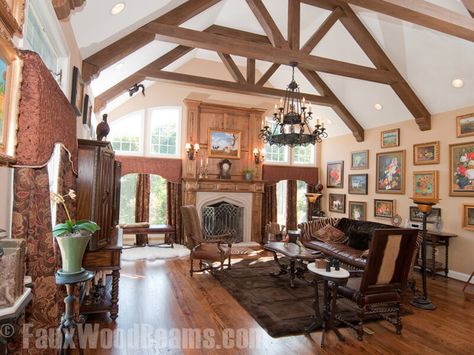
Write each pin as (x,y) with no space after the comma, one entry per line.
(114,294)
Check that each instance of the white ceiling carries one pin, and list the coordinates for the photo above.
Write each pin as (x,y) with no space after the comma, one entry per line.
(427,59)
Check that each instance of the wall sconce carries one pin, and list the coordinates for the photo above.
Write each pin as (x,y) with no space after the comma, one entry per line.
(259,155)
(192,150)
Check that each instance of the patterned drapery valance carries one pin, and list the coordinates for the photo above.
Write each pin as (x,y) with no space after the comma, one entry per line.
(272,174)
(170,169)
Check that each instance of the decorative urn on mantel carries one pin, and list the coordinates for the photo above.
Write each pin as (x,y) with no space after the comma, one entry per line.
(72,237)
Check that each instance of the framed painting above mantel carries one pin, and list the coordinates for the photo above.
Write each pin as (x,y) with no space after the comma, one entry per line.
(224,143)
(10,82)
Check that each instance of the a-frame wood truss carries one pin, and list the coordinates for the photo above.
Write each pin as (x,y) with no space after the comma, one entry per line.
(276,49)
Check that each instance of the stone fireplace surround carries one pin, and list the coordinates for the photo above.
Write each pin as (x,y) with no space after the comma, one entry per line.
(247,194)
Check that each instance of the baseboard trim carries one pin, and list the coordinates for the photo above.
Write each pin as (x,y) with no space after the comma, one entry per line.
(458,276)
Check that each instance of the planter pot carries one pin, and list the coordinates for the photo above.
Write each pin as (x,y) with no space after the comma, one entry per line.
(248,176)
(72,248)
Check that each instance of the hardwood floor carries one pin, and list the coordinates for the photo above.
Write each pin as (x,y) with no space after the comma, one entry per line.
(162,295)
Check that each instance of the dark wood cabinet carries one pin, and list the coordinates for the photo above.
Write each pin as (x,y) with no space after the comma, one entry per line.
(96,188)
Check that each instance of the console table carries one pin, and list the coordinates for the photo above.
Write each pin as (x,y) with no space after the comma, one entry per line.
(141,234)
(105,259)
(435,239)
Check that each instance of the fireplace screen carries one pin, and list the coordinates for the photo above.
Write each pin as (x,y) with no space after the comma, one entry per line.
(223,217)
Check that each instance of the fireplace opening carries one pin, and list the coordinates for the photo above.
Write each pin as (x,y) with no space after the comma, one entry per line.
(223,217)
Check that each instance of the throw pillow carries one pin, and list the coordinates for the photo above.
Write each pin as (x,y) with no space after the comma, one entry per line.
(330,234)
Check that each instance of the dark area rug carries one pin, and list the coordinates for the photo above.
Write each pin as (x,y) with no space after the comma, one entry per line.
(278,308)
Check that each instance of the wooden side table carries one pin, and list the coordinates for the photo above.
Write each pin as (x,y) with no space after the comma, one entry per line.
(332,279)
(435,239)
(68,323)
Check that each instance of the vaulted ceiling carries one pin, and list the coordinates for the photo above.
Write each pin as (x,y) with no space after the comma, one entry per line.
(349,57)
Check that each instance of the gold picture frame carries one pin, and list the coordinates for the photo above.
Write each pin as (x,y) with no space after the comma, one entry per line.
(465,125)
(360,160)
(10,78)
(223,143)
(390,138)
(384,208)
(358,210)
(390,172)
(425,184)
(468,216)
(426,153)
(461,175)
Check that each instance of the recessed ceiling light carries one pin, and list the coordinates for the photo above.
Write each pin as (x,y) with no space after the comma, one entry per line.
(457,83)
(117,8)
(119,66)
(378,107)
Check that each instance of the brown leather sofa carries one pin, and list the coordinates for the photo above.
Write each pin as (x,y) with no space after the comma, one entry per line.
(350,253)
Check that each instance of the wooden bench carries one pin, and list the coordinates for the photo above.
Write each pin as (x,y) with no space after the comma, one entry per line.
(141,234)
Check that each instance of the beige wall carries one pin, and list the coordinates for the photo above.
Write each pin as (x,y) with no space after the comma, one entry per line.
(444,130)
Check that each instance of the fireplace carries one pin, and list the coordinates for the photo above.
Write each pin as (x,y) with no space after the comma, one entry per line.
(244,196)
(222,218)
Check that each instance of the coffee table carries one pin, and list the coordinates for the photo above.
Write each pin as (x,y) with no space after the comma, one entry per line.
(294,253)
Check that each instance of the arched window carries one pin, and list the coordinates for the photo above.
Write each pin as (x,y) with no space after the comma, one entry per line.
(165,126)
(126,133)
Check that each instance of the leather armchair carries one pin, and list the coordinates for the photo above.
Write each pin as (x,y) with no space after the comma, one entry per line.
(384,278)
(207,250)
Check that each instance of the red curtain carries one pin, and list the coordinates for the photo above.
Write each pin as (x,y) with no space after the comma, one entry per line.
(269,206)
(291,220)
(31,220)
(173,205)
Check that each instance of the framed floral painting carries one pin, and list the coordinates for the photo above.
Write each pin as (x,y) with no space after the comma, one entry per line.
(358,184)
(390,138)
(335,174)
(425,184)
(461,169)
(337,203)
(384,208)
(390,172)
(358,210)
(468,216)
(465,125)
(426,153)
(360,160)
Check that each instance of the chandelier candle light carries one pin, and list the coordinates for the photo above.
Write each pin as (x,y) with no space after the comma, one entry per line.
(292,120)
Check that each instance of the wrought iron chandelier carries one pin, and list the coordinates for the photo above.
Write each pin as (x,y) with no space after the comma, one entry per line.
(292,120)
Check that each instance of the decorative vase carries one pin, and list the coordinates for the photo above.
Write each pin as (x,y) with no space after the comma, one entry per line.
(72,247)
(248,176)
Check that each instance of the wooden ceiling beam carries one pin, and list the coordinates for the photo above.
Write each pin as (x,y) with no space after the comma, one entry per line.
(422,13)
(139,38)
(294,7)
(210,41)
(378,57)
(250,71)
(227,86)
(469,5)
(267,23)
(63,8)
(273,68)
(125,84)
(313,41)
(339,108)
(232,67)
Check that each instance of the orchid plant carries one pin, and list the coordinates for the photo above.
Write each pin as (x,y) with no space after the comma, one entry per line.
(71,226)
